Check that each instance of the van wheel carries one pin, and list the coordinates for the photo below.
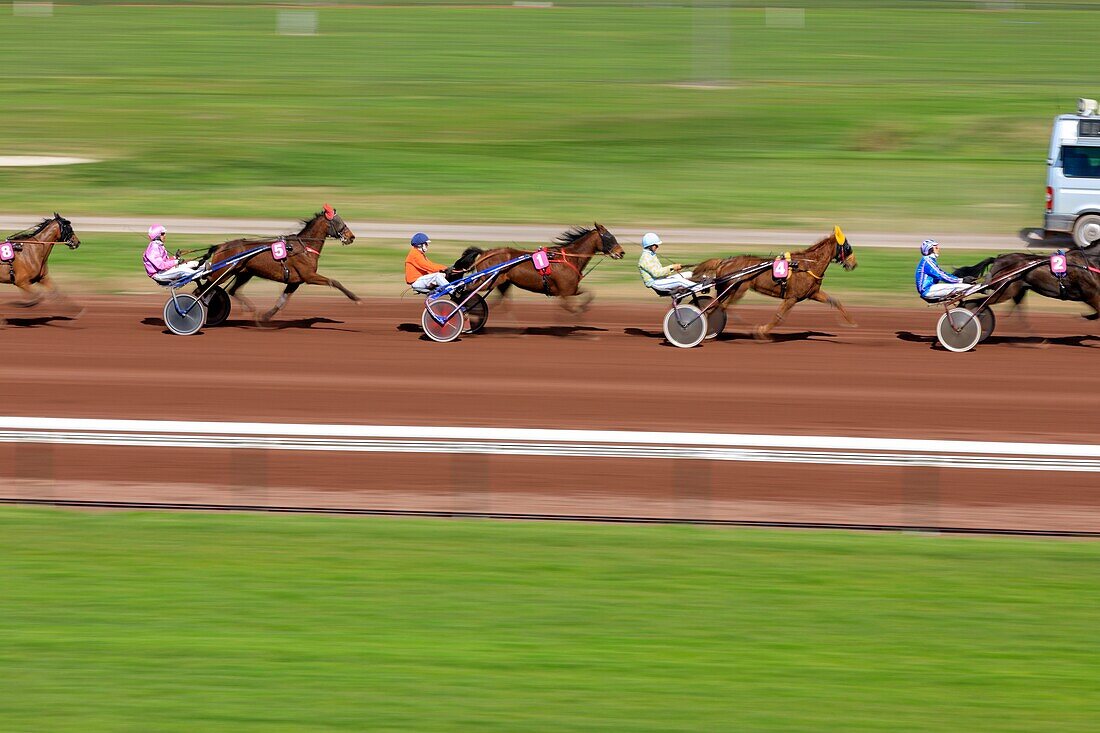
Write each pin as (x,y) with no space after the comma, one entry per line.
(1086,231)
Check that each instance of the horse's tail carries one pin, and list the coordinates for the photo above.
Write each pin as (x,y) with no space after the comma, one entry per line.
(468,257)
(977,269)
(706,268)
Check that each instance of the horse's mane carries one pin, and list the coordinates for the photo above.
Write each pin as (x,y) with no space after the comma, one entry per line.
(569,236)
(66,228)
(305,224)
(827,239)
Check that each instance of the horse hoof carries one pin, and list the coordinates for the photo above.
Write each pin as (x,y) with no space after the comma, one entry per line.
(850,324)
(761,335)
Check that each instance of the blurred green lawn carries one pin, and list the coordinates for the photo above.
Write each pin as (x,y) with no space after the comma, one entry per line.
(917,118)
(169,622)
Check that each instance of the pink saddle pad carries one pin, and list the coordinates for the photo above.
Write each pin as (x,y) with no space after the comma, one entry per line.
(540,260)
(1058,264)
(7,252)
(278,250)
(781,268)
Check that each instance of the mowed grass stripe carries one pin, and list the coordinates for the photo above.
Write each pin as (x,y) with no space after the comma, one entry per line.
(138,621)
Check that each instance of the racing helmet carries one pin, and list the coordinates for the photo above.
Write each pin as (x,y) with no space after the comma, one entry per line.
(157,231)
(650,240)
(927,245)
(420,239)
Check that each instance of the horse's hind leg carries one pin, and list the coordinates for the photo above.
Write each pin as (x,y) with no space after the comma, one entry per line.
(316,278)
(232,291)
(281,302)
(763,332)
(822,297)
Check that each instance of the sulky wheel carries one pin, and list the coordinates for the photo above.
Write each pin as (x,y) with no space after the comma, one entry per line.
(184,314)
(986,320)
(685,326)
(477,313)
(716,316)
(452,320)
(217,305)
(958,330)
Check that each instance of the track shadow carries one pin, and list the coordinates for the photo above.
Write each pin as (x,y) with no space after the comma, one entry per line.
(37,321)
(733,336)
(272,326)
(554,331)
(1071,341)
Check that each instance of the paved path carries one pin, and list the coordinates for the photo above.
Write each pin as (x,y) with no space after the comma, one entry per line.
(225,228)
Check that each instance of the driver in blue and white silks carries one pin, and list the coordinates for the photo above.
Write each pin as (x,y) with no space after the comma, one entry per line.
(932,282)
(662,278)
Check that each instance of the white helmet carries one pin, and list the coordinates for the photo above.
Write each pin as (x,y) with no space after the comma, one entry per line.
(927,245)
(650,240)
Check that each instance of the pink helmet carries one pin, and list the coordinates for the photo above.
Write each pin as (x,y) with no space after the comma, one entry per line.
(157,231)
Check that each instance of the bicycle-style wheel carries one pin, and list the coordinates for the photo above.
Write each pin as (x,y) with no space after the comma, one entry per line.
(958,330)
(716,317)
(218,305)
(442,321)
(184,314)
(477,313)
(685,326)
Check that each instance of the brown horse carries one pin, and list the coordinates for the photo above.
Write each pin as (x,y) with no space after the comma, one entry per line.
(804,282)
(300,267)
(31,264)
(1080,284)
(569,256)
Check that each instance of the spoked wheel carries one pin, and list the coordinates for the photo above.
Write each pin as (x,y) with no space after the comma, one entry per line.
(716,317)
(217,305)
(477,313)
(986,319)
(446,311)
(959,330)
(184,314)
(685,326)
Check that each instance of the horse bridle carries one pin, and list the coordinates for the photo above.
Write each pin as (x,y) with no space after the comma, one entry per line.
(843,252)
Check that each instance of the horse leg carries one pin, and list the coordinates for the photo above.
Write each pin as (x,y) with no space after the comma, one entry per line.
(47,282)
(33,298)
(762,332)
(315,278)
(731,298)
(238,281)
(281,302)
(822,297)
(578,302)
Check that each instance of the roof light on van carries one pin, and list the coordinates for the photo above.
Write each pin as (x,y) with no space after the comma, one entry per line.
(1086,107)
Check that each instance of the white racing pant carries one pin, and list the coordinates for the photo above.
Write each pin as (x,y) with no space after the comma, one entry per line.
(670,283)
(429,282)
(175,273)
(943,290)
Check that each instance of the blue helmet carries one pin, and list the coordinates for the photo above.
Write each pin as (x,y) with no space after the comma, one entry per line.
(927,245)
(420,239)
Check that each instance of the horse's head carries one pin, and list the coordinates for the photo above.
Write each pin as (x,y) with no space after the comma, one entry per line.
(65,231)
(337,228)
(608,244)
(844,254)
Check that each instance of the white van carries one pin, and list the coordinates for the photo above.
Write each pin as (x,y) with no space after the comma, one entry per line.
(1073,175)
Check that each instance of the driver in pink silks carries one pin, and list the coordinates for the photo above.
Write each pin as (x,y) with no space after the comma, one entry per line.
(161,266)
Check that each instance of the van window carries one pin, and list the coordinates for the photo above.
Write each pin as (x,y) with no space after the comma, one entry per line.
(1079,161)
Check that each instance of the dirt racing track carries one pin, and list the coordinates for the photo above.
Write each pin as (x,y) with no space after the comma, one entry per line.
(351,407)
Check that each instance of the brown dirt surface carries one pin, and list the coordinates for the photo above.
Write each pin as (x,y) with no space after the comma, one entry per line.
(329,361)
